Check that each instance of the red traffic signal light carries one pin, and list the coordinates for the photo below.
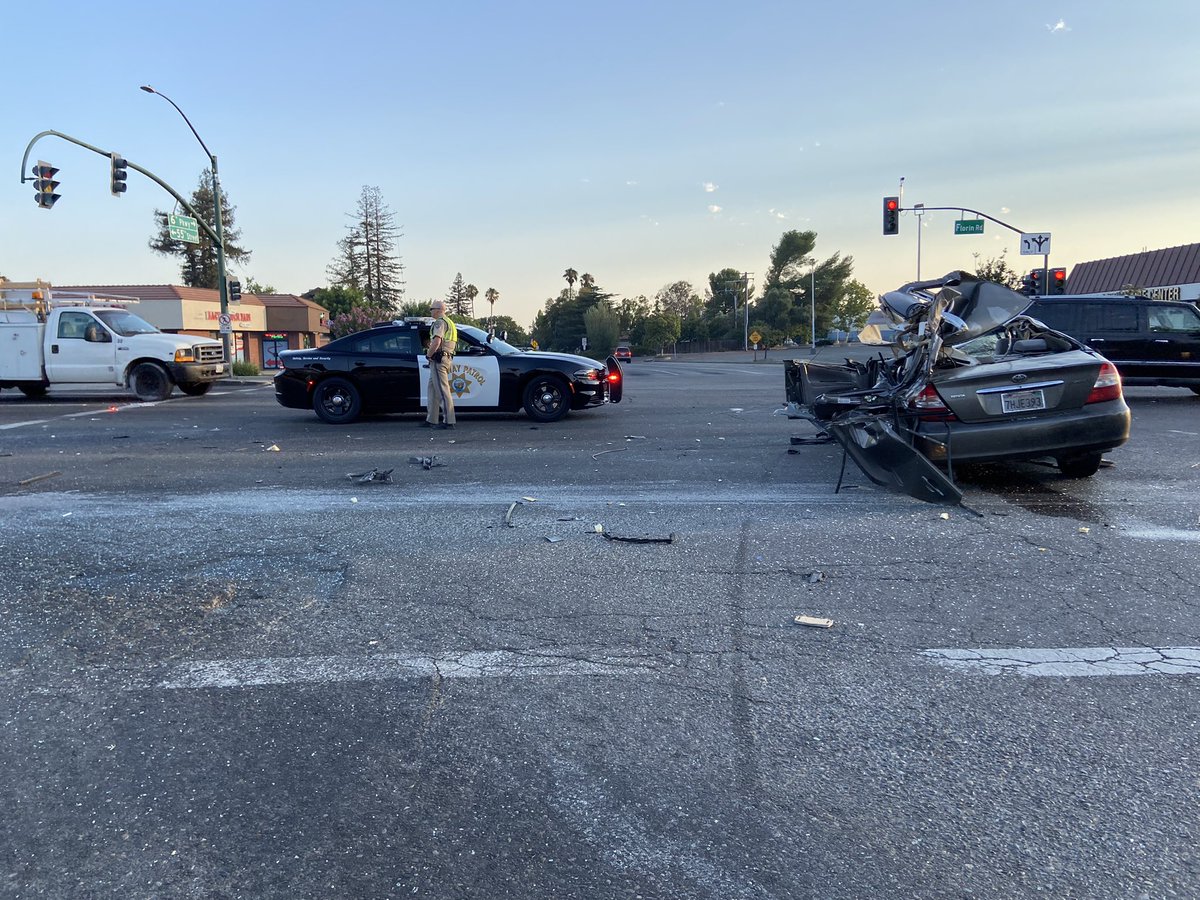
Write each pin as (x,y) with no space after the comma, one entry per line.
(891,215)
(1058,281)
(44,185)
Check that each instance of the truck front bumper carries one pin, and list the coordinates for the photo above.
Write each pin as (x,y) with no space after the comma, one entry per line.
(197,373)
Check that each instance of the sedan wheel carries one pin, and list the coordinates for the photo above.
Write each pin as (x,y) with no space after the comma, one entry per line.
(336,401)
(1080,466)
(547,399)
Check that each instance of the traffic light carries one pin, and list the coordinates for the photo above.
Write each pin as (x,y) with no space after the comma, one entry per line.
(1037,282)
(119,174)
(891,215)
(235,291)
(1058,282)
(44,184)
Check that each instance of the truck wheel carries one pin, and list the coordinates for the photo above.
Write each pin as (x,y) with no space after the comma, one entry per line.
(336,401)
(547,398)
(150,382)
(33,391)
(196,390)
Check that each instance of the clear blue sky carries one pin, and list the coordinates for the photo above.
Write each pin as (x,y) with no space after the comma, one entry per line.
(641,142)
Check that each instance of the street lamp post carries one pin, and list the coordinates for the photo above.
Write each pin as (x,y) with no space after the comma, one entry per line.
(222,286)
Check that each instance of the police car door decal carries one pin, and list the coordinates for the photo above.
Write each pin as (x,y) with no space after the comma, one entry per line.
(474,381)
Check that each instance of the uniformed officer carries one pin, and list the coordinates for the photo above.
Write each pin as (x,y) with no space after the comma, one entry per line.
(443,339)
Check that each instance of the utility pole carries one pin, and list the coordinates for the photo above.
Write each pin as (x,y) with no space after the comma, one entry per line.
(746,305)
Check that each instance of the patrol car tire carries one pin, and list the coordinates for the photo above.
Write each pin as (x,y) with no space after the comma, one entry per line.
(150,382)
(337,401)
(547,398)
(196,390)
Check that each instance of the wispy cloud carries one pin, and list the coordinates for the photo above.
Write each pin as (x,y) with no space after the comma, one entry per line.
(777,214)
(631,183)
(713,208)
(709,187)
(1058,27)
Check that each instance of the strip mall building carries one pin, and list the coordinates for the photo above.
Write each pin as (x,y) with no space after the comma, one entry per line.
(260,324)
(1170,274)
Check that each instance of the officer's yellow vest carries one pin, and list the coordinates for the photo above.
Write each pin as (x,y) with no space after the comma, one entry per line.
(451,336)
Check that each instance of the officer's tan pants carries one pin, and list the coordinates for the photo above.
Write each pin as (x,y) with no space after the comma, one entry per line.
(440,398)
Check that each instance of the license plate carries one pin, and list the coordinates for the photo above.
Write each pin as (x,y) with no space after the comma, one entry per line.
(1022,401)
(219,368)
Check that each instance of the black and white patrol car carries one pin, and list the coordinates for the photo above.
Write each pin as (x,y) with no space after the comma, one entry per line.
(384,370)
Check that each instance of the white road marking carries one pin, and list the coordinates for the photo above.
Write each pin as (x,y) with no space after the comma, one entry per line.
(1163,534)
(1071,662)
(235,673)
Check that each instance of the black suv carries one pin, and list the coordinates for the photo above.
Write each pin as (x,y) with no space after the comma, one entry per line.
(1152,342)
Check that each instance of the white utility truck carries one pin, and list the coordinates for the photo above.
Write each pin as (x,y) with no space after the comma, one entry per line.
(55,339)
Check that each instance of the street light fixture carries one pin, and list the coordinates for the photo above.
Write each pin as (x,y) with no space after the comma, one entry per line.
(222,287)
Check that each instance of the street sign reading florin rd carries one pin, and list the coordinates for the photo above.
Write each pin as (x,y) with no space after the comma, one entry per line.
(183,228)
(968,226)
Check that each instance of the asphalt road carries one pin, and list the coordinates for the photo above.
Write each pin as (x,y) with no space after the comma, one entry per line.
(231,671)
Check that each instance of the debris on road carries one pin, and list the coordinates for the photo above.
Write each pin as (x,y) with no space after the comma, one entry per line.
(616,450)
(426,462)
(274,448)
(553,540)
(814,577)
(530,499)
(508,515)
(384,477)
(813,621)
(647,539)
(38,478)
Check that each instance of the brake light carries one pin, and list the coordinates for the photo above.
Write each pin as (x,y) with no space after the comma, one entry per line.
(1107,386)
(928,405)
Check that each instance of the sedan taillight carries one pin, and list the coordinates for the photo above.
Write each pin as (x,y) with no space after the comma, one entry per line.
(1107,386)
(929,405)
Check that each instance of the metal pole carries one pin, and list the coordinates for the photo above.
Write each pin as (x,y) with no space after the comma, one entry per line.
(812,301)
(746,307)
(222,286)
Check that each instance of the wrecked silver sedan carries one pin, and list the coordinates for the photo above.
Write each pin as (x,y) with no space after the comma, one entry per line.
(968,379)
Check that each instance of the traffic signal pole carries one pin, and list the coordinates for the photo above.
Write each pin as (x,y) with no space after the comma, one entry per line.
(214,234)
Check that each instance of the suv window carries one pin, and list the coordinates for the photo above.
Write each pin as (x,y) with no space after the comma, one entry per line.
(1097,317)
(1173,319)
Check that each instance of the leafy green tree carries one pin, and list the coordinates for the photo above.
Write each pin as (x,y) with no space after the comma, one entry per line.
(367,260)
(678,298)
(654,332)
(198,266)
(849,312)
(603,328)
(358,318)
(338,300)
(997,269)
(507,327)
(253,286)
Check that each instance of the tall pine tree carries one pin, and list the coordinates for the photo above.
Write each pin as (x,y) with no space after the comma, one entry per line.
(367,261)
(199,261)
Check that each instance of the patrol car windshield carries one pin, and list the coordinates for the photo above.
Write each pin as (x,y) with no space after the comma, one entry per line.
(502,347)
(125,323)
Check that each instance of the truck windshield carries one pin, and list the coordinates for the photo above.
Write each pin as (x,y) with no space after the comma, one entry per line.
(124,323)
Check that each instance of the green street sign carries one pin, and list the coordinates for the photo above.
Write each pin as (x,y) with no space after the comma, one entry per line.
(183,228)
(968,226)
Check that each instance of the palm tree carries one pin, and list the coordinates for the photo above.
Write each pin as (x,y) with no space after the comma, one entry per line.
(571,276)
(586,282)
(491,295)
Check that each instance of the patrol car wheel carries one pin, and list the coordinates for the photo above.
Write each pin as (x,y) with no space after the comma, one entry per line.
(150,382)
(547,398)
(337,401)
